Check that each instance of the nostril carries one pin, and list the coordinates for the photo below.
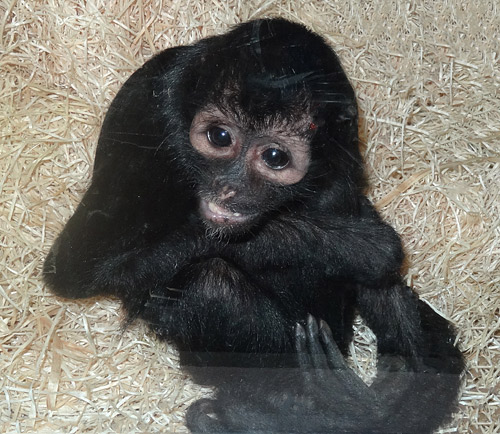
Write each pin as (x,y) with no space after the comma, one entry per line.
(226,193)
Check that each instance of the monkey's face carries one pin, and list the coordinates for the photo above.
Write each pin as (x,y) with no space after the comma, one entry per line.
(248,170)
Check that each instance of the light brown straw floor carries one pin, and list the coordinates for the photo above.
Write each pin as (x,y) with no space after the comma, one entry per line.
(427,74)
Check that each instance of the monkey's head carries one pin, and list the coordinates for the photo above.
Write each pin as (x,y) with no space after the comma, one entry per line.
(273,123)
(248,169)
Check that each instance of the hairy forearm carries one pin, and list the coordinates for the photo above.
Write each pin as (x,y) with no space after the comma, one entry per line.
(363,249)
(76,267)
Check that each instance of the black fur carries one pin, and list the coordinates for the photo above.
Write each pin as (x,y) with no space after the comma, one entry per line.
(237,304)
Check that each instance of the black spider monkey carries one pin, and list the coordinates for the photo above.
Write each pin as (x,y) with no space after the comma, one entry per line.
(227,210)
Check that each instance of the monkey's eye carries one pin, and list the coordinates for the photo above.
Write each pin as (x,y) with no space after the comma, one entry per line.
(219,137)
(275,158)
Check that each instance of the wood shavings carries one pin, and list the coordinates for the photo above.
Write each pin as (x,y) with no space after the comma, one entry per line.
(427,75)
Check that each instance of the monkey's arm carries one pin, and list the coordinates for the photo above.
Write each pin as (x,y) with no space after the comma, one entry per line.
(368,252)
(363,249)
(90,258)
(416,346)
(128,229)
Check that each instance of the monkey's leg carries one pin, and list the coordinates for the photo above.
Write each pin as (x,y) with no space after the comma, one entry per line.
(419,365)
(320,394)
(404,325)
(225,328)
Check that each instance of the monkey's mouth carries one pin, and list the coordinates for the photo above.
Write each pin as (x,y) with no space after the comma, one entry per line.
(219,215)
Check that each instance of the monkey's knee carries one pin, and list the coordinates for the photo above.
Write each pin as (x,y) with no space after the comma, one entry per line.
(221,271)
(213,277)
(216,277)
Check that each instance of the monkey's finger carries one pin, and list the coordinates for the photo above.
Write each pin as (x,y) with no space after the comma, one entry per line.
(316,351)
(300,339)
(333,355)
(312,335)
(338,363)
(303,357)
(320,373)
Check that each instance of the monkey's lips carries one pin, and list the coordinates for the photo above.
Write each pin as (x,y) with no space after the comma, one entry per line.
(219,215)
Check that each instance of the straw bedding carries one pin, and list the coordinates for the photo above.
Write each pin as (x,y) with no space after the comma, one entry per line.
(427,76)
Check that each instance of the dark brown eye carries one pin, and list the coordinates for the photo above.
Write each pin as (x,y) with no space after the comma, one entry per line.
(219,137)
(275,159)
